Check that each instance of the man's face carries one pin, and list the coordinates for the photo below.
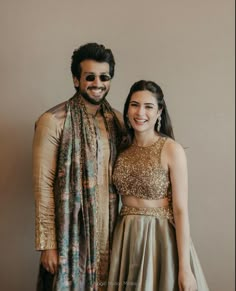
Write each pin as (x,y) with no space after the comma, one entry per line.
(94,82)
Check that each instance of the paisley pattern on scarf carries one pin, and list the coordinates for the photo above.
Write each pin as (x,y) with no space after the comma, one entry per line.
(75,197)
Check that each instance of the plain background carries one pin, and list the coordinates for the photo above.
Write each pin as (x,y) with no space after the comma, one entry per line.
(186,46)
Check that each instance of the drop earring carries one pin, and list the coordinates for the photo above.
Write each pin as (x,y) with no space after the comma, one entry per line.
(159,124)
(128,122)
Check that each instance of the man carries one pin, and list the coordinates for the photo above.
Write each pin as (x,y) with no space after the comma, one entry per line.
(74,148)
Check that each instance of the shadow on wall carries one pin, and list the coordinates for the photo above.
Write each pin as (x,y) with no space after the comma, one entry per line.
(20,260)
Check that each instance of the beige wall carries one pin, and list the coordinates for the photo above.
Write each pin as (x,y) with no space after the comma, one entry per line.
(185,46)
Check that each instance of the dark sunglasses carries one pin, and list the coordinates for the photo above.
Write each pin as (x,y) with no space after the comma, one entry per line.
(102,77)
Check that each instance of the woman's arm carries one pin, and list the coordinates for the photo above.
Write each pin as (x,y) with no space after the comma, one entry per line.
(177,164)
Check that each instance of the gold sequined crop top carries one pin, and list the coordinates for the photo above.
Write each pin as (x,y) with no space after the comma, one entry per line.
(138,172)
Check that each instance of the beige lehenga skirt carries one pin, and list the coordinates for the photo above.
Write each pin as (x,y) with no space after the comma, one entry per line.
(144,252)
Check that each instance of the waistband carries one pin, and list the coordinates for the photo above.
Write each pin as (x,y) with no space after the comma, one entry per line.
(159,212)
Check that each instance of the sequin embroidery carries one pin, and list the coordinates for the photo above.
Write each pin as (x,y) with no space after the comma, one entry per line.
(138,172)
(159,212)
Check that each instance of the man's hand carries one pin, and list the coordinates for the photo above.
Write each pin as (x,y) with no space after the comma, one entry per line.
(49,260)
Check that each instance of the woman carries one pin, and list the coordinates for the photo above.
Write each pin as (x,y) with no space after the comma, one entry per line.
(152,249)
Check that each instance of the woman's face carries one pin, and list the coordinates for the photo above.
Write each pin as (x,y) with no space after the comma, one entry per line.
(143,111)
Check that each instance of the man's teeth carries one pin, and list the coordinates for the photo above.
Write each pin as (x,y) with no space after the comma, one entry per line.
(96,90)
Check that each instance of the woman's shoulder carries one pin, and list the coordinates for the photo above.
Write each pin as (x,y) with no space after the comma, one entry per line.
(171,144)
(173,149)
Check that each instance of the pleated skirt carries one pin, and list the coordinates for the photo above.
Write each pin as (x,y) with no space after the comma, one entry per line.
(144,252)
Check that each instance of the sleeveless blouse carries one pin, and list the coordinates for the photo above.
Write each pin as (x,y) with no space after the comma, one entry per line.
(138,172)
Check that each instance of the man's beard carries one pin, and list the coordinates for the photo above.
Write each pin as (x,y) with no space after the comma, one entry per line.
(91,99)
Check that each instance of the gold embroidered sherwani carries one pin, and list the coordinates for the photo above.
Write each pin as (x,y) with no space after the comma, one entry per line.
(45,150)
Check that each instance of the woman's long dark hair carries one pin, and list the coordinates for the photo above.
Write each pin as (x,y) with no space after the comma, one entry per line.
(166,126)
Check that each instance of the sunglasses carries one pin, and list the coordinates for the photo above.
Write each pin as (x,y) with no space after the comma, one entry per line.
(102,77)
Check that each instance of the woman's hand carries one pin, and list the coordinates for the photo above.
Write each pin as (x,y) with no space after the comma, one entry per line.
(187,281)
(49,260)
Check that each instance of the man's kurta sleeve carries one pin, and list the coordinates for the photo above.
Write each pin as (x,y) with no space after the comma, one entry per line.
(45,149)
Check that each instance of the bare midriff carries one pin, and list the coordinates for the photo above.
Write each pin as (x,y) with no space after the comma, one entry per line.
(140,202)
